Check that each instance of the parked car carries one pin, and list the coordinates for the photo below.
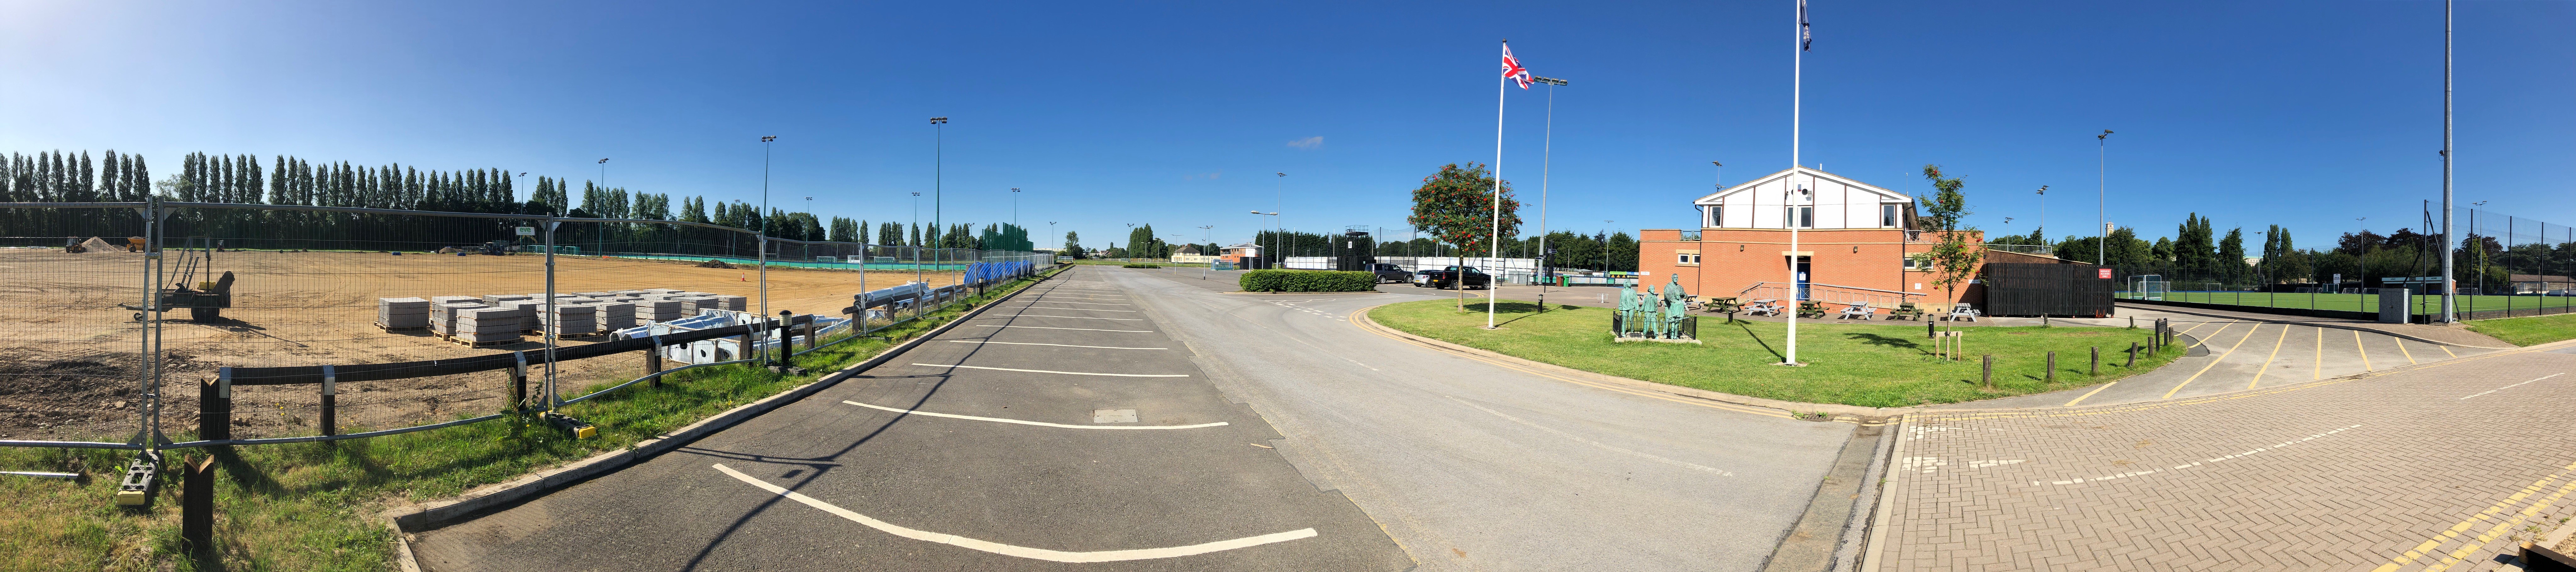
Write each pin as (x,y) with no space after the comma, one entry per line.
(1390,273)
(1449,278)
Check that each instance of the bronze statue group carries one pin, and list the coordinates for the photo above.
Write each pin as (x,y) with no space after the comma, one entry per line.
(1644,313)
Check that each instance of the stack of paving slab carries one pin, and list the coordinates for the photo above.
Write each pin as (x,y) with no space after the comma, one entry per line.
(486,325)
(735,303)
(658,311)
(690,305)
(442,311)
(402,312)
(614,315)
(573,319)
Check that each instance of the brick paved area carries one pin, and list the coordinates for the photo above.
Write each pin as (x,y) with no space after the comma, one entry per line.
(2432,467)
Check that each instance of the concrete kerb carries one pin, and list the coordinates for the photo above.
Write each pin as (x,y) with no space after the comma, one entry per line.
(415,518)
(2339,326)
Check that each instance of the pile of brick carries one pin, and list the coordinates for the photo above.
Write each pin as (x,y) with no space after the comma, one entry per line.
(402,313)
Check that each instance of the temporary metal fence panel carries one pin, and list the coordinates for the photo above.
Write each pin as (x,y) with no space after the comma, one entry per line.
(317,323)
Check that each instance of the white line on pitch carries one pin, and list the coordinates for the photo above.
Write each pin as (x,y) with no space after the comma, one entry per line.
(1057,345)
(1048,371)
(1037,423)
(1682,464)
(1080,329)
(1055,316)
(1019,551)
(2513,386)
(1083,309)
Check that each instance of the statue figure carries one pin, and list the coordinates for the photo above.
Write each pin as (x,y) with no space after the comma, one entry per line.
(1673,291)
(1627,316)
(1674,313)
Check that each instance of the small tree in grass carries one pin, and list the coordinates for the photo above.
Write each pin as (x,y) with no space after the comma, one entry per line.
(1954,256)
(1456,205)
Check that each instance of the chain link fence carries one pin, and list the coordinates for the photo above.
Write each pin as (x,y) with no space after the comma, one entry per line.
(2504,266)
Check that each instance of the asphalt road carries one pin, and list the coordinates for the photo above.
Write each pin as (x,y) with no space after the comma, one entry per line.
(1062,430)
(1472,466)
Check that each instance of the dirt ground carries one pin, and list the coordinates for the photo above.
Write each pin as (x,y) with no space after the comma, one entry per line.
(69,355)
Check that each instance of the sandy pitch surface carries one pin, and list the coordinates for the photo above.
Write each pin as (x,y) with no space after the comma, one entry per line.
(71,352)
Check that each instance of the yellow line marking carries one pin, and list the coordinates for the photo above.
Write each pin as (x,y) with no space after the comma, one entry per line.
(2187,331)
(2231,350)
(2454,532)
(2499,528)
(2401,348)
(2365,352)
(2318,371)
(2267,361)
(2080,399)
(2447,350)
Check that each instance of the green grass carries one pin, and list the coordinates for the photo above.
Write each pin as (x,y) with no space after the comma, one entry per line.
(2367,302)
(311,506)
(1866,365)
(2528,331)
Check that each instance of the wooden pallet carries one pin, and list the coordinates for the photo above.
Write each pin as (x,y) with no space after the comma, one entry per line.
(574,336)
(382,326)
(463,342)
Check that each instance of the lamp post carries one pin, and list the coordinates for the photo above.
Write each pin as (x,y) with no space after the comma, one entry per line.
(2043,213)
(2365,251)
(763,243)
(2101,194)
(1274,240)
(1015,206)
(1279,200)
(2450,301)
(916,238)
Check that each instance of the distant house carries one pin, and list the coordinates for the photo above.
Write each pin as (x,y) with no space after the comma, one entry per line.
(2536,283)
(1237,253)
(1189,254)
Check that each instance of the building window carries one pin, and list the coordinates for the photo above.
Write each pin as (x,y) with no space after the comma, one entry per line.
(1801,217)
(1717,215)
(1686,258)
(1887,215)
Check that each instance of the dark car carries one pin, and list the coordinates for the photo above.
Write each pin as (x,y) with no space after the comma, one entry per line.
(1449,278)
(1390,273)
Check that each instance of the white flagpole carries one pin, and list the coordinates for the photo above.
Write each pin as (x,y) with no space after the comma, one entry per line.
(1797,78)
(1494,241)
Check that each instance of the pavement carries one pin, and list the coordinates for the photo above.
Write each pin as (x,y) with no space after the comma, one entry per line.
(2430,467)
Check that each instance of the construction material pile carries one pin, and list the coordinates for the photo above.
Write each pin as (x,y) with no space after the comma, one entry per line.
(506,317)
(402,313)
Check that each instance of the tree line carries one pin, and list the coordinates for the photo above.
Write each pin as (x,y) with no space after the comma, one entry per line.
(2197,253)
(61,177)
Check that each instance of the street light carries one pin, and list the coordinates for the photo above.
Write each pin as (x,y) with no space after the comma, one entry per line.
(1547,150)
(2101,194)
(2365,250)
(938,158)
(1015,206)
(2043,213)
(1279,200)
(1274,240)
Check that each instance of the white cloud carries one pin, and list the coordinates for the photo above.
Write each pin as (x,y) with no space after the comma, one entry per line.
(1308,143)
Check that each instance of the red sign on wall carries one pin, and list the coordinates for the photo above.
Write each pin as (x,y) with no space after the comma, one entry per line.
(2105,273)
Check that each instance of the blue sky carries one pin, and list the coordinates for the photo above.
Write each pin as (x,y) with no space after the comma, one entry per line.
(2306,114)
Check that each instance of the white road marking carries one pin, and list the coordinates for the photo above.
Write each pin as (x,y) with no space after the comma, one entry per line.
(1020,551)
(2512,386)
(1057,345)
(1082,309)
(1696,467)
(1054,316)
(1047,328)
(2198,463)
(1037,423)
(1083,303)
(1047,371)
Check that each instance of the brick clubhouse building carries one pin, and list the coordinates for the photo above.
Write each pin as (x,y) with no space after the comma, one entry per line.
(1856,243)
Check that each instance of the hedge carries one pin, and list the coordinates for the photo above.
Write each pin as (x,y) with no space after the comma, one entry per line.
(1142,265)
(1308,281)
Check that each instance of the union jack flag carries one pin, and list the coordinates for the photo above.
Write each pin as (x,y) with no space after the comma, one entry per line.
(1512,67)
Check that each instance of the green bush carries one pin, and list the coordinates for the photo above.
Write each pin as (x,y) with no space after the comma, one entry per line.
(1308,281)
(1142,265)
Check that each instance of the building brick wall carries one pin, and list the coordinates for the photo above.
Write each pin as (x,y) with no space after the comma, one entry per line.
(1733,259)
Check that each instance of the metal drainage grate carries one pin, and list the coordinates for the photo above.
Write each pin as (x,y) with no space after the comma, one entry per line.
(1113,416)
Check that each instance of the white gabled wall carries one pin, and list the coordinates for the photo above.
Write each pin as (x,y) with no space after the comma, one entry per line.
(1839,204)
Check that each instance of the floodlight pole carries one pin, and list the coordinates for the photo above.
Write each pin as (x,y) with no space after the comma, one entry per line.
(1547,150)
(2450,286)
(763,243)
(1797,96)
(2101,197)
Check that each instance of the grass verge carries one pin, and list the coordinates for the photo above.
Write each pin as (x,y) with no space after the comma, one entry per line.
(2528,331)
(311,506)
(1865,365)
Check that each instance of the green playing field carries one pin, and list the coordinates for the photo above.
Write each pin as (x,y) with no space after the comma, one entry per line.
(2361,302)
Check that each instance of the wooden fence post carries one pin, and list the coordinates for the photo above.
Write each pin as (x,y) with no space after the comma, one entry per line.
(653,360)
(2133,355)
(519,381)
(2052,367)
(2097,362)
(1990,371)
(215,407)
(330,401)
(197,507)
